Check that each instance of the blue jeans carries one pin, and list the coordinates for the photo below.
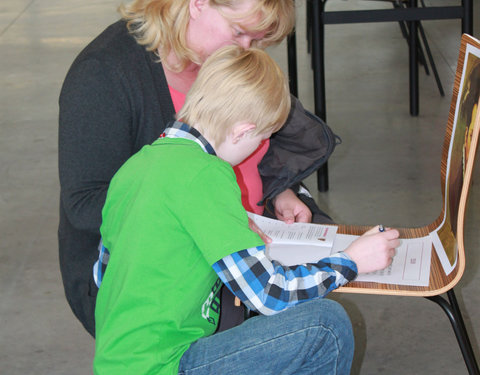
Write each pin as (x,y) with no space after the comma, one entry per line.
(314,337)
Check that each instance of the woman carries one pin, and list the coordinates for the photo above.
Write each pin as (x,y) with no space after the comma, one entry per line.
(125,86)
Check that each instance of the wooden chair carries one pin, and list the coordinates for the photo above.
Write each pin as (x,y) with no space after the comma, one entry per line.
(458,158)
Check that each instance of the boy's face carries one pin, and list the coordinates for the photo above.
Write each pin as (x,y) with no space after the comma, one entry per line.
(237,147)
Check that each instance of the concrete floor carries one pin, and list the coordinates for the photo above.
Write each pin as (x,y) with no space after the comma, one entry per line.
(386,171)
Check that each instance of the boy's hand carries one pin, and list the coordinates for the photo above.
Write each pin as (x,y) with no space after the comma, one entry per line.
(374,250)
(254,227)
(290,209)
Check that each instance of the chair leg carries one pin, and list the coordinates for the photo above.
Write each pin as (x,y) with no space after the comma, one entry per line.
(454,315)
(318,59)
(413,63)
(322,178)
(430,58)
(292,63)
(404,28)
(315,46)
(308,25)
(467,19)
(421,55)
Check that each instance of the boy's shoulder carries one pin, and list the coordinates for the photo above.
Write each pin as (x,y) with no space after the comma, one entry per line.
(175,156)
(175,168)
(180,149)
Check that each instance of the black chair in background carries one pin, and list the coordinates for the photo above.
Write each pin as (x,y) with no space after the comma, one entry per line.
(407,13)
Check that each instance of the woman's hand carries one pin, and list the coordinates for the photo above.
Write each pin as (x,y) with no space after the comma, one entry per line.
(374,250)
(289,208)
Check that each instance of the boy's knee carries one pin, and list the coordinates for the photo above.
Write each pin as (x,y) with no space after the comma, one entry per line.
(328,311)
(335,314)
(326,334)
(336,334)
(332,316)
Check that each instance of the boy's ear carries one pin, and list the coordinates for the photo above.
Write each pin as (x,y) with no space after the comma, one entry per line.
(241,130)
(196,7)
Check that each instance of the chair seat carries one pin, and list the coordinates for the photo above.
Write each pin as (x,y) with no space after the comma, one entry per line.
(439,281)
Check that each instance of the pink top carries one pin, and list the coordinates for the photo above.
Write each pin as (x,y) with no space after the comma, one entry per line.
(178,98)
(249,179)
(247,174)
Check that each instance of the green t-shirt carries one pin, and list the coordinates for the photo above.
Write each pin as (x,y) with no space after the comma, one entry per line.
(171,212)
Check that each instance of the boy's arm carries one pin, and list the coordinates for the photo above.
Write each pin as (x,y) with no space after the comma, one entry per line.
(270,287)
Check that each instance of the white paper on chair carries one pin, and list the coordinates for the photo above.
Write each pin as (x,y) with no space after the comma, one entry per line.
(298,243)
(441,253)
(410,266)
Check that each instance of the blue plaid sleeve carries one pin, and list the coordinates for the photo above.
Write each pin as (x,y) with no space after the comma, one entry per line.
(269,287)
(101,264)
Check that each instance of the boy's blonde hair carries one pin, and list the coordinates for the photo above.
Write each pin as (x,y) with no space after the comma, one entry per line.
(235,85)
(161,25)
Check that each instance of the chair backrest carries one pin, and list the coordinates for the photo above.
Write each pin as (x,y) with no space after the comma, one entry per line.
(459,152)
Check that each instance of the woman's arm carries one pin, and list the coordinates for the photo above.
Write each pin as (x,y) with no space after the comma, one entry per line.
(290,209)
(95,139)
(297,150)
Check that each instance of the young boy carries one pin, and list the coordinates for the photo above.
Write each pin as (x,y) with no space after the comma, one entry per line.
(175,227)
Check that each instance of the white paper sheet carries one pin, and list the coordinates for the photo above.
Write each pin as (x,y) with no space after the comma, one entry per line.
(308,243)
(296,233)
(410,266)
(442,255)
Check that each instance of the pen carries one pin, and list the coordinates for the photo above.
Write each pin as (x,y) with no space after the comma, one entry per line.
(381,228)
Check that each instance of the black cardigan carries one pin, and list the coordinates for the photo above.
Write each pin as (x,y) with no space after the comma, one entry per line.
(115,100)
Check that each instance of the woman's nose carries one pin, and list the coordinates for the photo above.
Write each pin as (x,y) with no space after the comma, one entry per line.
(245,41)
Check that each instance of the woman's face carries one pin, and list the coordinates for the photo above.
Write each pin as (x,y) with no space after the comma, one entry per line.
(209,30)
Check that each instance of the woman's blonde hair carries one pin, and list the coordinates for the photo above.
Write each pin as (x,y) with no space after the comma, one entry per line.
(161,25)
(235,85)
